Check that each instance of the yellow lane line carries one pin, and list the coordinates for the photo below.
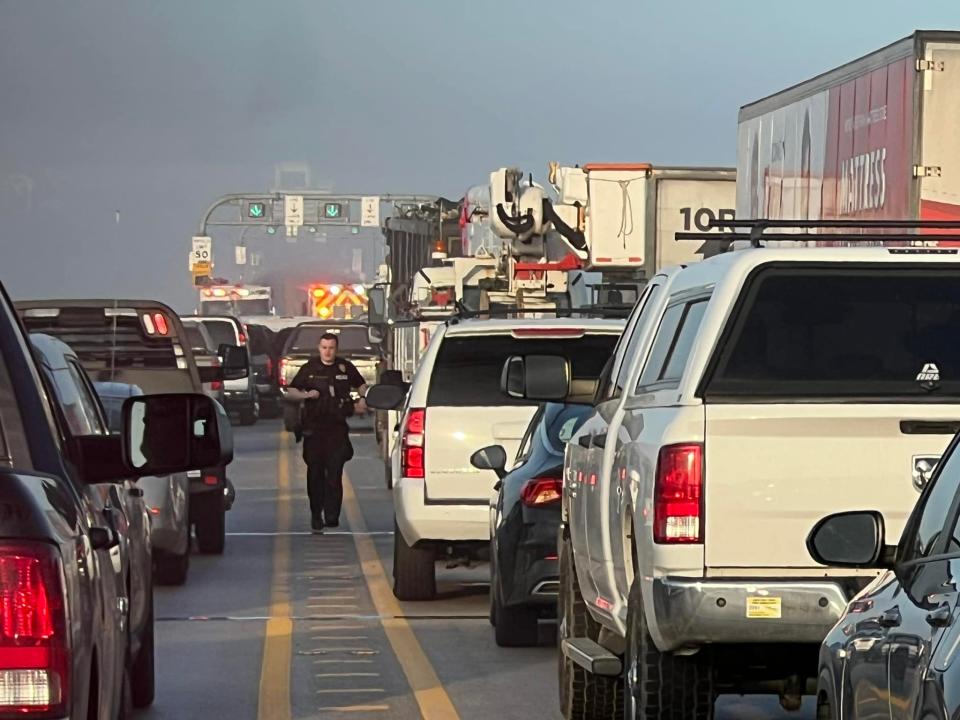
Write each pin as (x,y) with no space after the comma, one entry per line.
(428,691)
(274,702)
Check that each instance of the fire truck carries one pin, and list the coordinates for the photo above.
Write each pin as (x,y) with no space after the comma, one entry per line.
(333,301)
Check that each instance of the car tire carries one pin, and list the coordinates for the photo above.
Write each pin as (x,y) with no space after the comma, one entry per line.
(662,685)
(171,569)
(414,570)
(514,626)
(249,414)
(143,683)
(583,695)
(210,512)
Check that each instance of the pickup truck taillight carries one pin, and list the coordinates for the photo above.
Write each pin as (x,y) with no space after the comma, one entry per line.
(541,491)
(412,444)
(678,495)
(282,372)
(34,647)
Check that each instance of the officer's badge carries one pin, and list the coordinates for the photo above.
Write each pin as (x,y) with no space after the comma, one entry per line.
(343,368)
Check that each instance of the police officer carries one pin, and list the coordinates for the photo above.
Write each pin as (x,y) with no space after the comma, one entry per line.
(324,384)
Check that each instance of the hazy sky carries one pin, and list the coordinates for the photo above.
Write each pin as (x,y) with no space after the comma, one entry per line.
(157,107)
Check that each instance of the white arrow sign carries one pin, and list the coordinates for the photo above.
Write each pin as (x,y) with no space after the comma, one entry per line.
(293,210)
(370,212)
(202,252)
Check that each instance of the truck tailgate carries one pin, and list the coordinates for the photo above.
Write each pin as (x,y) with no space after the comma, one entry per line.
(772,471)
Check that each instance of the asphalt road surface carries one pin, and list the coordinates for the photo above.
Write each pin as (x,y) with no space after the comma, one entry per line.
(289,626)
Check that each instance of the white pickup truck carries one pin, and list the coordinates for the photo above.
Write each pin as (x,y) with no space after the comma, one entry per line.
(750,395)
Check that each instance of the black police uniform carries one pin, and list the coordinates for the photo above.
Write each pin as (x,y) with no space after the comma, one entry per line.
(326,437)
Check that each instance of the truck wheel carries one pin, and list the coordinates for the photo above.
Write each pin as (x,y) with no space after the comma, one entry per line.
(583,696)
(171,569)
(211,522)
(414,570)
(249,414)
(515,626)
(662,685)
(143,673)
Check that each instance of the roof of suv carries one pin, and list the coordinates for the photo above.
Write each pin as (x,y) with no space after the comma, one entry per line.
(741,262)
(505,325)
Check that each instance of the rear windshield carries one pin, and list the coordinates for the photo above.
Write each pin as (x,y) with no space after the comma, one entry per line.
(468,368)
(195,338)
(306,339)
(860,332)
(223,332)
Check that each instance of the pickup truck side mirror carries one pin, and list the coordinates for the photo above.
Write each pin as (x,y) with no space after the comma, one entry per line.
(166,434)
(236,362)
(386,396)
(536,377)
(161,435)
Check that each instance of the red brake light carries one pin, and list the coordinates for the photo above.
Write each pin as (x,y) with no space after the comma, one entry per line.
(161,323)
(678,495)
(243,338)
(282,372)
(210,480)
(34,648)
(216,385)
(541,491)
(412,454)
(269,368)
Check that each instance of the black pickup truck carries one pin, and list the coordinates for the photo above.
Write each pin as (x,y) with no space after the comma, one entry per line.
(64,649)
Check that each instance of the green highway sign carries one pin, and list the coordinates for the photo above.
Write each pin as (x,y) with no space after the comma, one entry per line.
(256,210)
(331,211)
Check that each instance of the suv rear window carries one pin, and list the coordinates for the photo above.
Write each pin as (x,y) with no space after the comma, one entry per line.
(195,338)
(864,332)
(223,332)
(468,368)
(306,339)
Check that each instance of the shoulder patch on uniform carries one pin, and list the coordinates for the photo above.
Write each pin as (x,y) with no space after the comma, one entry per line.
(343,368)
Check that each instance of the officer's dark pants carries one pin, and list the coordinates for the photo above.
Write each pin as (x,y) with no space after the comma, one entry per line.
(326,452)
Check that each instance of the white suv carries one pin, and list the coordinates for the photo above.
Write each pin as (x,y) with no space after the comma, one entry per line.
(750,395)
(454,408)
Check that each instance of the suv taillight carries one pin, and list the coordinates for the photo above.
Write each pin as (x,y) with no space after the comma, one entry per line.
(412,443)
(34,647)
(678,495)
(541,491)
(282,372)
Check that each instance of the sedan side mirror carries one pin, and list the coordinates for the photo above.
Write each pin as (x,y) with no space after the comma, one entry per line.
(165,434)
(848,539)
(536,377)
(236,362)
(492,457)
(386,397)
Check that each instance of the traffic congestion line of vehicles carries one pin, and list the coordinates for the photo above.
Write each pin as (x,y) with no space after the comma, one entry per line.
(77,633)
(742,397)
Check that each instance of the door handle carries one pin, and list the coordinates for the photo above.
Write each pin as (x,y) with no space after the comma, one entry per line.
(891,618)
(600,440)
(584,441)
(941,617)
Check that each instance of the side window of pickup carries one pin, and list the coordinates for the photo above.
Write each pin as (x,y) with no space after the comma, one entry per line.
(673,344)
(629,342)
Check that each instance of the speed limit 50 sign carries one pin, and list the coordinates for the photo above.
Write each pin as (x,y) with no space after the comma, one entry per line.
(202,252)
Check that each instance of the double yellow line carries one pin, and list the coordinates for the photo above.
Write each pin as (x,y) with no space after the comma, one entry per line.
(274,703)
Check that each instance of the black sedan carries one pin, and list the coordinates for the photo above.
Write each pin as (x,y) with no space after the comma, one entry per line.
(523,553)
(894,652)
